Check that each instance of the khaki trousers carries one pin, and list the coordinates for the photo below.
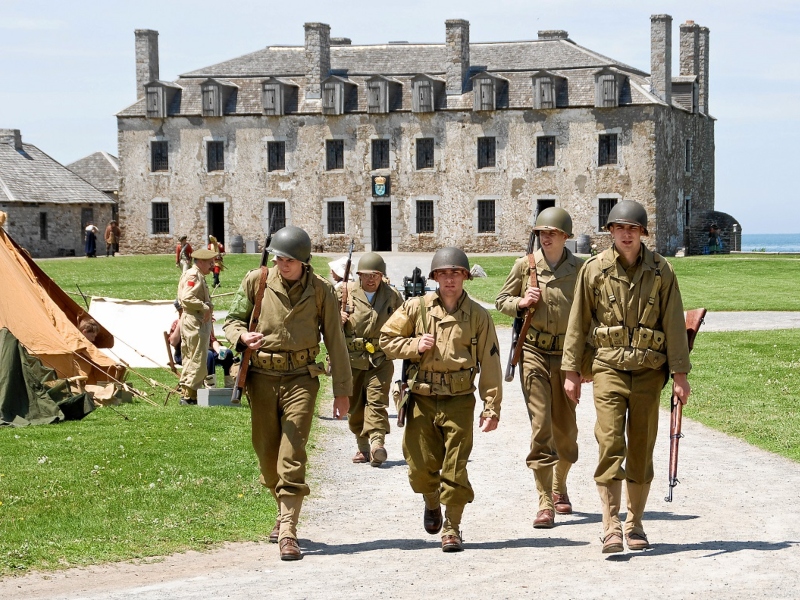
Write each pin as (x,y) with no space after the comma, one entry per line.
(554,430)
(195,337)
(368,414)
(437,444)
(626,403)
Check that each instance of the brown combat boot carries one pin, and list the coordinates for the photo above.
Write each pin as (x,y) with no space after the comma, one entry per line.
(610,499)
(290,549)
(361,457)
(377,454)
(276,531)
(634,530)
(545,519)
(562,504)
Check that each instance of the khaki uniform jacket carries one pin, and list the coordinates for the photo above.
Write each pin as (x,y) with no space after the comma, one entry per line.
(551,313)
(193,292)
(592,301)
(452,350)
(366,320)
(288,328)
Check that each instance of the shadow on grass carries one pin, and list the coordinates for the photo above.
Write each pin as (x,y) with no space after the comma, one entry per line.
(710,548)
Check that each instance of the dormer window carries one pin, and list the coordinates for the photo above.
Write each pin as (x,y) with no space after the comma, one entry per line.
(608,83)
(383,94)
(548,89)
(219,97)
(425,92)
(338,95)
(279,97)
(684,92)
(490,92)
(162,99)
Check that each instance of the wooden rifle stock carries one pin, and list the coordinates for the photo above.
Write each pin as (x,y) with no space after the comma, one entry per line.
(172,366)
(347,266)
(520,327)
(694,318)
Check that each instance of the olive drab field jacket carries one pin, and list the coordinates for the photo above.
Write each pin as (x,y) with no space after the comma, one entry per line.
(551,313)
(638,313)
(362,330)
(193,292)
(292,331)
(466,343)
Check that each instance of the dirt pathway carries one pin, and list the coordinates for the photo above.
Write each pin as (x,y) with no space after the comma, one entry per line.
(733,531)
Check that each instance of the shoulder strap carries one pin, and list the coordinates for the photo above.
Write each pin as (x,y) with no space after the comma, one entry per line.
(423,313)
(653,292)
(612,297)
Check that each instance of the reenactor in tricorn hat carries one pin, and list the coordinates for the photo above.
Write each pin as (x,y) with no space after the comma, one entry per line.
(627,300)
(554,435)
(298,309)
(195,324)
(448,337)
(370,303)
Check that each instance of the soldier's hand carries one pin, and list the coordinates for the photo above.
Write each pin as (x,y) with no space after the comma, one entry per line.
(531,297)
(341,404)
(252,339)
(488,424)
(208,314)
(572,386)
(681,387)
(344,316)
(426,342)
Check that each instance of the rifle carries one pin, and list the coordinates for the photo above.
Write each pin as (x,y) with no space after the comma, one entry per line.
(172,366)
(520,323)
(414,290)
(694,318)
(347,276)
(241,376)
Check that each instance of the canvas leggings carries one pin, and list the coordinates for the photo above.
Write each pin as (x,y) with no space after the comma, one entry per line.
(195,336)
(368,414)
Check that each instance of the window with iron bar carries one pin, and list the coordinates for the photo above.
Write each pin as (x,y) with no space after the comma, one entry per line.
(334,153)
(335,217)
(277,215)
(160,217)
(607,151)
(424,153)
(380,154)
(545,151)
(216,156)
(486,152)
(604,207)
(276,156)
(424,216)
(486,216)
(159,156)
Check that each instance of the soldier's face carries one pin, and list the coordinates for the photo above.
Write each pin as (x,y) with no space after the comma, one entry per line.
(289,268)
(451,281)
(204,265)
(552,239)
(627,238)
(370,281)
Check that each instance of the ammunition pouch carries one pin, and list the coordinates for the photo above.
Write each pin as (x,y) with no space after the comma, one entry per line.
(360,344)
(640,338)
(430,383)
(545,341)
(283,362)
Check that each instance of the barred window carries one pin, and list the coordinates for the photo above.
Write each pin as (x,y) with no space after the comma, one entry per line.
(545,151)
(334,154)
(607,153)
(687,159)
(380,154)
(216,156)
(277,215)
(159,156)
(335,217)
(486,216)
(424,216)
(424,153)
(160,217)
(486,152)
(604,207)
(276,156)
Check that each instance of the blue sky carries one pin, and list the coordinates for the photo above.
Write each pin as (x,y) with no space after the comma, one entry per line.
(68,67)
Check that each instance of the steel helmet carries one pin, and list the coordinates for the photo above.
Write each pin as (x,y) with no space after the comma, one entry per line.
(291,242)
(449,258)
(554,218)
(372,262)
(628,212)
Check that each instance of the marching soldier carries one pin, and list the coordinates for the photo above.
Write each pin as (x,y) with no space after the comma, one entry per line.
(370,304)
(297,309)
(195,324)
(632,294)
(554,432)
(449,338)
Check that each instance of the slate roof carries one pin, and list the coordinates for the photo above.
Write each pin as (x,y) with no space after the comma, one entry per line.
(30,175)
(101,169)
(514,61)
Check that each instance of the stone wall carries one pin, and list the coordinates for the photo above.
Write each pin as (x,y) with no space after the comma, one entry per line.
(64,230)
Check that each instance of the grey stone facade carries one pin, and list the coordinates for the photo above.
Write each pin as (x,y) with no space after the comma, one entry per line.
(324,100)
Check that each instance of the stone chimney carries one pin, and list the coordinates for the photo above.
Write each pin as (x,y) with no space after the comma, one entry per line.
(146,59)
(12,137)
(318,57)
(702,71)
(457,57)
(688,50)
(661,57)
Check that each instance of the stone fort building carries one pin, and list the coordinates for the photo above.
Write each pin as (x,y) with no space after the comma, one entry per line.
(409,147)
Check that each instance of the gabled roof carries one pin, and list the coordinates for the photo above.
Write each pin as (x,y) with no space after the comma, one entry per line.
(30,175)
(101,169)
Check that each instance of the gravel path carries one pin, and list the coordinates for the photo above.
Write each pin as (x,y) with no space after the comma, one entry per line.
(724,536)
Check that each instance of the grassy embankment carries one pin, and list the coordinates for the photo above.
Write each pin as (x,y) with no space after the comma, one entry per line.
(178,478)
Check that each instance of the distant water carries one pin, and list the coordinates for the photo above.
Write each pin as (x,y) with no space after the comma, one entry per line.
(771,242)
